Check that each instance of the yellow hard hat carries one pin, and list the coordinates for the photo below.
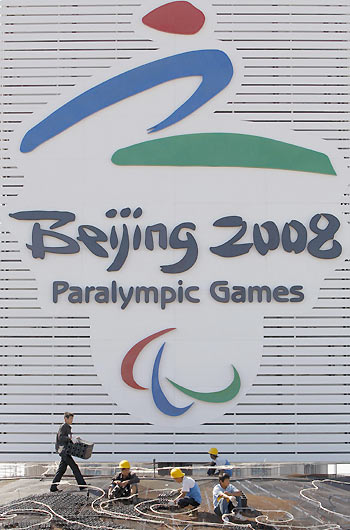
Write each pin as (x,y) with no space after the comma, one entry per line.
(124,464)
(176,473)
(213,451)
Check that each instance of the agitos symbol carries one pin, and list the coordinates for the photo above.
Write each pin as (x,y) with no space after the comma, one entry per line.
(159,398)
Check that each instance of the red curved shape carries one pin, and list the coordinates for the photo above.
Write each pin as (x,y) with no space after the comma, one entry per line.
(130,358)
(181,18)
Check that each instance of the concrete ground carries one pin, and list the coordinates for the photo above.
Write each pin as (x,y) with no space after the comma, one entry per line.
(325,508)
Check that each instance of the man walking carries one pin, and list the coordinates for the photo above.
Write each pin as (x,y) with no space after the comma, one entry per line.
(63,436)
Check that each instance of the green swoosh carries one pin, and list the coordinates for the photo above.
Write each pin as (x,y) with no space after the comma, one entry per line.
(224,150)
(221,396)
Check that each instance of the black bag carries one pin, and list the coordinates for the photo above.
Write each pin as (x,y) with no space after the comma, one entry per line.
(80,448)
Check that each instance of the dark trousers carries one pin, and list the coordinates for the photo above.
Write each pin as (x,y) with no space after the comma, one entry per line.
(118,492)
(67,460)
(213,471)
(187,501)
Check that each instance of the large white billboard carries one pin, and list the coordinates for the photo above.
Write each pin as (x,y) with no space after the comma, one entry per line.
(174,228)
(198,225)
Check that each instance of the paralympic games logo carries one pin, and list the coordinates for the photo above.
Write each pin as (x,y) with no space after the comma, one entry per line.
(159,398)
(201,149)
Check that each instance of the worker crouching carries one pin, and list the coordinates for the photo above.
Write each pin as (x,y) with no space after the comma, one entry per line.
(190,494)
(124,484)
(223,495)
(217,461)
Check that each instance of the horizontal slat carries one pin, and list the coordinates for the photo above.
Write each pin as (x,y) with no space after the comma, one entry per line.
(302,371)
(48,417)
(20,335)
(55,379)
(47,389)
(80,408)
(316,399)
(304,379)
(221,434)
(297,418)
(252,449)
(68,370)
(51,399)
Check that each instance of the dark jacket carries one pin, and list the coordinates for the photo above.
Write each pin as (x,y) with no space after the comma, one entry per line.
(63,436)
(131,477)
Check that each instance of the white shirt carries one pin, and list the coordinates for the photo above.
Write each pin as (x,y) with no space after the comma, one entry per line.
(190,487)
(220,461)
(187,484)
(219,490)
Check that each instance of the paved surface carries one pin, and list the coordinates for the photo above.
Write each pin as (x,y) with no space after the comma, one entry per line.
(277,499)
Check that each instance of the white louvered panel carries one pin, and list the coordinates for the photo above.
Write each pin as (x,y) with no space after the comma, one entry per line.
(305,379)
(27,305)
(45,370)
(10,336)
(299,419)
(291,388)
(37,399)
(288,429)
(90,409)
(47,321)
(42,329)
(41,350)
(46,438)
(294,399)
(18,430)
(11,346)
(312,340)
(296,369)
(321,328)
(45,360)
(321,348)
(53,420)
(296,59)
(41,341)
(56,379)
(222,434)
(15,274)
(68,59)
(304,359)
(290,408)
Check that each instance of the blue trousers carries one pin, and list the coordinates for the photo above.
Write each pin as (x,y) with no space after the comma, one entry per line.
(224,507)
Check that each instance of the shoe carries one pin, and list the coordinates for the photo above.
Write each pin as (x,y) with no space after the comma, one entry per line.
(55,490)
(97,493)
(239,516)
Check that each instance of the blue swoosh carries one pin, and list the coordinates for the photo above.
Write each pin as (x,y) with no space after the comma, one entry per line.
(158,395)
(214,66)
